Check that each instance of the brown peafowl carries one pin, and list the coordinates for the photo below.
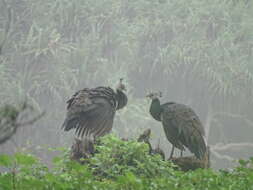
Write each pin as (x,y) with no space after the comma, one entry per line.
(181,125)
(91,111)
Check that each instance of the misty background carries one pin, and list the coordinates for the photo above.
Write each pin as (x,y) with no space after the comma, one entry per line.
(196,52)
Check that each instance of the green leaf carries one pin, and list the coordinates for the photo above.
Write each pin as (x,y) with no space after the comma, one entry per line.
(25,159)
(6,160)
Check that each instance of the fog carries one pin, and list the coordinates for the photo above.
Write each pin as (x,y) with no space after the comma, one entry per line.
(198,53)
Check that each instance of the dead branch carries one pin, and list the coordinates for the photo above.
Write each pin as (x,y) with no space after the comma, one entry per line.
(32,121)
(82,149)
(187,163)
(7,25)
(9,124)
(222,157)
(221,147)
(233,115)
(7,136)
(208,122)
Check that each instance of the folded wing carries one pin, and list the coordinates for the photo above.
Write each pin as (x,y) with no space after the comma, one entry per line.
(184,128)
(91,112)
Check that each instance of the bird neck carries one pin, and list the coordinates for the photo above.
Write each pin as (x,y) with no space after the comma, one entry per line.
(155,109)
(121,98)
(150,147)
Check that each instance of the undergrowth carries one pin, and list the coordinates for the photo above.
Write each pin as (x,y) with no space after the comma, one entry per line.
(117,165)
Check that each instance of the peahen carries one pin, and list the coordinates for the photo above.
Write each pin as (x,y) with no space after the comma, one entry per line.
(91,111)
(181,125)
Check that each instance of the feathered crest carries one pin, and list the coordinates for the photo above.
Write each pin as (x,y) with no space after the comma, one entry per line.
(153,95)
(121,86)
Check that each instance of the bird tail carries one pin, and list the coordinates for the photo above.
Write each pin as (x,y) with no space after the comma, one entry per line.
(198,146)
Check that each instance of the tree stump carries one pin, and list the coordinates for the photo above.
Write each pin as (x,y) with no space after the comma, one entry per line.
(191,162)
(82,149)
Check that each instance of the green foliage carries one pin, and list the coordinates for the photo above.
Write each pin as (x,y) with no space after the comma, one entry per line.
(116,157)
(6,160)
(117,165)
(195,52)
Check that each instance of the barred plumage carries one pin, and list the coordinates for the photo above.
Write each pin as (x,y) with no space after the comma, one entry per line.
(91,111)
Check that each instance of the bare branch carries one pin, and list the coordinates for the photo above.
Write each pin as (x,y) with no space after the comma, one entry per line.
(233,115)
(32,121)
(8,121)
(7,136)
(223,157)
(7,25)
(213,115)
(208,122)
(220,147)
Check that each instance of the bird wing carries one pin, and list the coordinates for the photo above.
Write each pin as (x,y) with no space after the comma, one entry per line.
(190,130)
(89,113)
(170,127)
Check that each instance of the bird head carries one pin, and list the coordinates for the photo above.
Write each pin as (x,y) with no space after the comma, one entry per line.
(121,86)
(145,136)
(154,95)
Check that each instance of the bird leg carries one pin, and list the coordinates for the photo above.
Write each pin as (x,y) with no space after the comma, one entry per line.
(172,152)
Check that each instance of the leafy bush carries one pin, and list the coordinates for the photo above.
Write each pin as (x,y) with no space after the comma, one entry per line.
(116,157)
(118,165)
(195,52)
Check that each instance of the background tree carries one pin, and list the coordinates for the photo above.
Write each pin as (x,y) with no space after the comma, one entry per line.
(197,53)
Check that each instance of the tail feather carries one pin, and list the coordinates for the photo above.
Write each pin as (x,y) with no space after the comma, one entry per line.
(198,146)
(194,141)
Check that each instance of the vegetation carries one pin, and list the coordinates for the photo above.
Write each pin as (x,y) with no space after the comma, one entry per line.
(117,165)
(9,123)
(196,52)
